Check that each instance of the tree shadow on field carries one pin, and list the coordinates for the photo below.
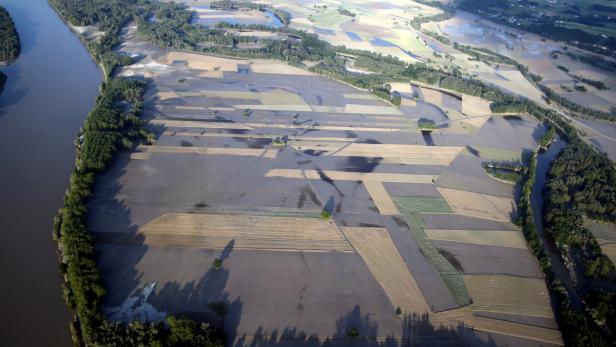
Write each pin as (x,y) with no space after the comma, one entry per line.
(357,329)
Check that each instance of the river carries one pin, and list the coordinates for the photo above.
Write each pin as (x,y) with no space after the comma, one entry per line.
(49,91)
(544,159)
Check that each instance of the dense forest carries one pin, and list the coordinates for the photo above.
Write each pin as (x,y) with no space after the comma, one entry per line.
(9,39)
(582,183)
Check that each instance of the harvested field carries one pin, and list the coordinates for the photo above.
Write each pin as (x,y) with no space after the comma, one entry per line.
(269,107)
(543,322)
(197,124)
(350,176)
(510,294)
(387,267)
(539,335)
(372,109)
(166,95)
(203,62)
(476,122)
(494,154)
(300,139)
(216,231)
(381,198)
(246,152)
(412,190)
(196,108)
(479,205)
(321,127)
(512,239)
(475,259)
(278,68)
(401,87)
(432,96)
(475,106)
(399,154)
(140,155)
(212,74)
(360,96)
(460,222)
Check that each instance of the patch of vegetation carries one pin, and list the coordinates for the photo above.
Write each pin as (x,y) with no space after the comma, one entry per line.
(597,84)
(217,264)
(505,171)
(346,12)
(280,141)
(426,124)
(580,88)
(563,68)
(384,92)
(547,138)
(9,39)
(438,37)
(326,215)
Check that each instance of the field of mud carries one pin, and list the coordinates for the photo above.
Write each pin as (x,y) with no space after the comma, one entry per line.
(321,200)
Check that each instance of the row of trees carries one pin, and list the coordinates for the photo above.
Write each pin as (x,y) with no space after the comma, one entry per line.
(9,39)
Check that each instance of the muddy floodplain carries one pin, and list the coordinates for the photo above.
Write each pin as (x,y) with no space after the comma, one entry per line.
(317,197)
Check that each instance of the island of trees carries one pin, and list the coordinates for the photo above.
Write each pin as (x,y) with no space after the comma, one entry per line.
(9,42)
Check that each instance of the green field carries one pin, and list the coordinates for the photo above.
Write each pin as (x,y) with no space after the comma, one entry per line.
(408,205)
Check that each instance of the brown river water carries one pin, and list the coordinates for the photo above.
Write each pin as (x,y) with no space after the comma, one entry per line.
(50,90)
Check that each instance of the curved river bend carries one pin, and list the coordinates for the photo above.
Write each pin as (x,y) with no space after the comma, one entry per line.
(50,90)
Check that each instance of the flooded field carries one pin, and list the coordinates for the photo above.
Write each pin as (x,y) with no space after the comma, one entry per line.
(330,209)
(210,17)
(602,135)
(558,71)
